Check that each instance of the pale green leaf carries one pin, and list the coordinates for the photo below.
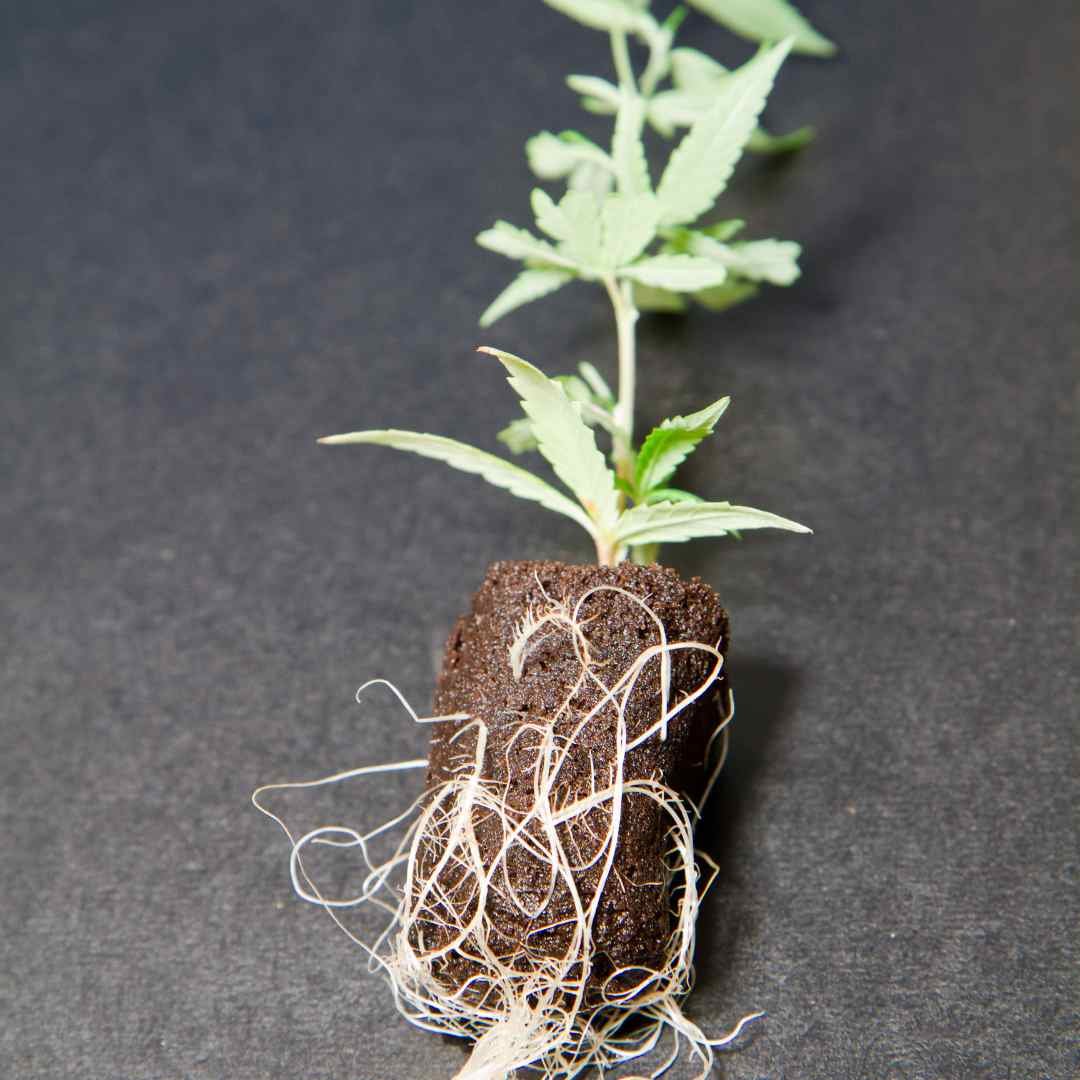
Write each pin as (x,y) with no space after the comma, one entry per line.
(529,285)
(583,229)
(518,436)
(468,459)
(768,21)
(722,297)
(629,225)
(599,90)
(671,495)
(604,14)
(565,440)
(678,273)
(775,261)
(649,298)
(592,178)
(549,217)
(724,230)
(553,157)
(597,384)
(666,447)
(762,142)
(506,239)
(693,70)
(669,523)
(701,164)
(627,150)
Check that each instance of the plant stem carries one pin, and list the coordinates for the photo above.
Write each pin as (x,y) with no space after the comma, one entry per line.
(620,53)
(626,316)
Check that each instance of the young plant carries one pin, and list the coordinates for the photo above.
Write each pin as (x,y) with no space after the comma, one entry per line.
(648,248)
(661,514)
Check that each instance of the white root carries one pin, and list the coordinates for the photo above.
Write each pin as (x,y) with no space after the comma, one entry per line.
(530,1008)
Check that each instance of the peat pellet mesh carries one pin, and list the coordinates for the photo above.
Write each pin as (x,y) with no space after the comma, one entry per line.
(539,897)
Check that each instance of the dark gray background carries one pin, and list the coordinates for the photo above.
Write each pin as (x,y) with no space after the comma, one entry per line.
(228,228)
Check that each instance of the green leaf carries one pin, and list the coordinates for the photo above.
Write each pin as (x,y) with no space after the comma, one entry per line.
(678,273)
(629,225)
(583,237)
(506,239)
(722,297)
(553,157)
(468,459)
(775,261)
(670,523)
(597,384)
(649,298)
(693,70)
(724,230)
(518,436)
(606,95)
(527,286)
(701,164)
(627,150)
(768,21)
(671,495)
(604,14)
(591,178)
(565,440)
(666,447)
(762,142)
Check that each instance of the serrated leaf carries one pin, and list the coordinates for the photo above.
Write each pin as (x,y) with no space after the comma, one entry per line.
(678,273)
(549,217)
(671,109)
(553,157)
(671,495)
(603,14)
(767,21)
(627,149)
(649,298)
(703,161)
(599,90)
(667,446)
(468,459)
(529,285)
(722,297)
(506,239)
(565,440)
(629,225)
(762,142)
(775,261)
(671,523)
(583,229)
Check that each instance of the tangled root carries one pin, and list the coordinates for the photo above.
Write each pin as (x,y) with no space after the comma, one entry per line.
(449,969)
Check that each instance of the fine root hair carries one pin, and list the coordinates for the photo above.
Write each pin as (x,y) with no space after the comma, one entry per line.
(449,969)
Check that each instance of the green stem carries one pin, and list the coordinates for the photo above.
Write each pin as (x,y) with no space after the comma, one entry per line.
(620,53)
(626,316)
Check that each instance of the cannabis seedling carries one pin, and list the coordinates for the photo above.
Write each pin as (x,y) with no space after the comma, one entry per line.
(647,248)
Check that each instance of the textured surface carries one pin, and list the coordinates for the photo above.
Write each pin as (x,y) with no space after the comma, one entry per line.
(632,927)
(228,228)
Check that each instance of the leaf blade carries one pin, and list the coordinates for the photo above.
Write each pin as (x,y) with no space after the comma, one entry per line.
(469,459)
(702,163)
(564,439)
(668,445)
(676,273)
(529,285)
(768,21)
(668,523)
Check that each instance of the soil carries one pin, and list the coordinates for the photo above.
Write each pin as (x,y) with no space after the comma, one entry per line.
(633,922)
